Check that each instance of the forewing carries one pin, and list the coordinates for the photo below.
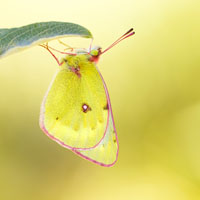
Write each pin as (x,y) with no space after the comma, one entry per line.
(62,116)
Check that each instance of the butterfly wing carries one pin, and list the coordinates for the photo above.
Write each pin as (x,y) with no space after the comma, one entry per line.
(106,152)
(74,111)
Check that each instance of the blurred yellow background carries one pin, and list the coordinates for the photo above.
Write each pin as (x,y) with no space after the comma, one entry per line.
(154,84)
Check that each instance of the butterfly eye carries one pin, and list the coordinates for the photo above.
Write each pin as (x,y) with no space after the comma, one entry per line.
(94,52)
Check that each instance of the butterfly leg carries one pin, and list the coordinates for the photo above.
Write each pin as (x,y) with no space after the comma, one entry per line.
(66,45)
(90,48)
(47,48)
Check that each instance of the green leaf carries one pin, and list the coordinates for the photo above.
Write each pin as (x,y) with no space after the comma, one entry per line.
(15,39)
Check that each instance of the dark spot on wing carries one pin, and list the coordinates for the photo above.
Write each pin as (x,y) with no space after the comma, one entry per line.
(57,118)
(76,128)
(86,108)
(114,137)
(105,107)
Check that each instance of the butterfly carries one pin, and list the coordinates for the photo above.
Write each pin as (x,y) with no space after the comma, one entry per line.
(76,110)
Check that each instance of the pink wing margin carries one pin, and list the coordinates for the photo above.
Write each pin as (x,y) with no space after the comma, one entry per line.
(110,110)
(42,115)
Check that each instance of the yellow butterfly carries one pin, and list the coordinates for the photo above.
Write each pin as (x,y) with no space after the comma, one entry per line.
(76,111)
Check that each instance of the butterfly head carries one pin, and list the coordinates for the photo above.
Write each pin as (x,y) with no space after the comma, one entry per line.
(94,53)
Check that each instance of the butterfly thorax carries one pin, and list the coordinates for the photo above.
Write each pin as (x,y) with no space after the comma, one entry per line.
(82,59)
(76,61)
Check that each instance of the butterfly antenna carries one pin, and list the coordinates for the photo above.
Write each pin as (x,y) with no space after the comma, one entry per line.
(126,35)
